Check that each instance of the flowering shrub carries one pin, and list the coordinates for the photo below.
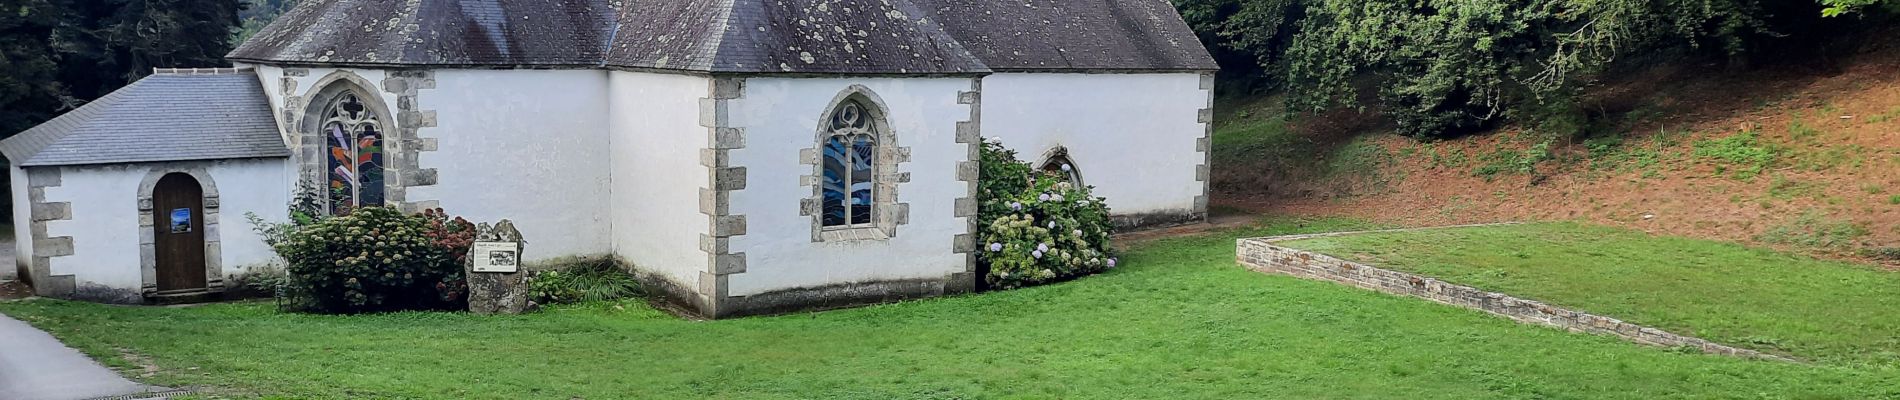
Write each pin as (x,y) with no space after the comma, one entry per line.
(1035,228)
(378,259)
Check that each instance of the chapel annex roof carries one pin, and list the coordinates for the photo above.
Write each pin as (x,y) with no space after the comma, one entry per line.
(747,36)
(172,115)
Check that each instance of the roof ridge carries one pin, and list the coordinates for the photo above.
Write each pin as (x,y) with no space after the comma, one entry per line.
(724,27)
(202,71)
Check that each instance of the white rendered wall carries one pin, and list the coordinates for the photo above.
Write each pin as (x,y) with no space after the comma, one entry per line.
(527,145)
(781,116)
(253,186)
(656,142)
(1132,135)
(105,217)
(104,225)
(22,225)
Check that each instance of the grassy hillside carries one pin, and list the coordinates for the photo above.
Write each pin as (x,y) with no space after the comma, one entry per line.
(1794,157)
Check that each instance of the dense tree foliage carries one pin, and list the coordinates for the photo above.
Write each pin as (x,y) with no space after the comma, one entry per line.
(28,90)
(1444,67)
(1837,8)
(109,43)
(58,54)
(257,14)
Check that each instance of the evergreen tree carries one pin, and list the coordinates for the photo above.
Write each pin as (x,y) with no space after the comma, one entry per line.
(106,44)
(29,93)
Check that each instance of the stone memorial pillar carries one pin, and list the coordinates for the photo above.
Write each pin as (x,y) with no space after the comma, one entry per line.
(496,283)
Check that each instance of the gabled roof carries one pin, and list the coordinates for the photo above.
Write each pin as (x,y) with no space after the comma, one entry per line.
(759,36)
(435,32)
(1074,34)
(168,116)
(835,36)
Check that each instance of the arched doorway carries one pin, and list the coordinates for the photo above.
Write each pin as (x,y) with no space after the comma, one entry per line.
(179,235)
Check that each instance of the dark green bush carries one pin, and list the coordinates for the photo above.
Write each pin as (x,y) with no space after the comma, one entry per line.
(587,281)
(1035,228)
(377,259)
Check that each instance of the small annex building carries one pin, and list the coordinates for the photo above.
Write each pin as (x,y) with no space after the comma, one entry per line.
(743,156)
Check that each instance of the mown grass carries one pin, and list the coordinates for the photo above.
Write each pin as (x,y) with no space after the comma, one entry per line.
(1827,311)
(1179,320)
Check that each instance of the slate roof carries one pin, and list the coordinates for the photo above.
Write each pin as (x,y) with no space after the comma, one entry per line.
(1074,34)
(756,36)
(168,116)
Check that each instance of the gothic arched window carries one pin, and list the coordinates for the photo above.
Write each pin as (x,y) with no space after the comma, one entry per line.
(850,160)
(353,144)
(1058,164)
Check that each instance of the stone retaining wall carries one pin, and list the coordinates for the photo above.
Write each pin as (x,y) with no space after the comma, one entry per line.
(1259,254)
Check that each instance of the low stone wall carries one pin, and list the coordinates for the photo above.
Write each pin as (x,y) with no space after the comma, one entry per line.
(1259,254)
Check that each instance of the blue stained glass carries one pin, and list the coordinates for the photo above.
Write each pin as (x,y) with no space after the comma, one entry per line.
(836,158)
(862,149)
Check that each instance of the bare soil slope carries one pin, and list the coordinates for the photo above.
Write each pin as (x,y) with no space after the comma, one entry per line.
(1795,157)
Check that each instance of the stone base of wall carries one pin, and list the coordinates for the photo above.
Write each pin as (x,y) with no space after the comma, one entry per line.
(672,296)
(1259,254)
(839,296)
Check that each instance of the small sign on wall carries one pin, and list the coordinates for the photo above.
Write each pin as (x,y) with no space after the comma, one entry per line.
(496,256)
(181,220)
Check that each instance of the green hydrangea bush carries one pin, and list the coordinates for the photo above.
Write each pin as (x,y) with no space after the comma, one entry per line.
(377,259)
(1034,227)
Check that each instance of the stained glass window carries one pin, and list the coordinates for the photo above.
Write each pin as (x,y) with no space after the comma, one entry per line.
(353,137)
(850,159)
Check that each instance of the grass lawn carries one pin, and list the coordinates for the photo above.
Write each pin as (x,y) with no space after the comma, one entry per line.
(1827,311)
(1179,320)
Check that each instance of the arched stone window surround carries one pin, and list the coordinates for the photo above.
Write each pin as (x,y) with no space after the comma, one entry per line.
(312,159)
(148,250)
(886,212)
(1055,157)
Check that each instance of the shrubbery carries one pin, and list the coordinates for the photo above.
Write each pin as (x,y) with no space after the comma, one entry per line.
(1035,228)
(374,259)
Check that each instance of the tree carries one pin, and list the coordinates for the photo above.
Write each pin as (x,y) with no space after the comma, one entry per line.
(1445,67)
(1836,8)
(29,93)
(108,43)
(257,14)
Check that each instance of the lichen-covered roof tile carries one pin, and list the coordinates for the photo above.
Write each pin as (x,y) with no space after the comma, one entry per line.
(1074,34)
(757,36)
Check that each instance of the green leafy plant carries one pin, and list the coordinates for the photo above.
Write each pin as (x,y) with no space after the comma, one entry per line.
(378,259)
(1035,228)
(589,281)
(1836,8)
(1744,153)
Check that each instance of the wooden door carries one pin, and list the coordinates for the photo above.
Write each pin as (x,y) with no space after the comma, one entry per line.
(178,218)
